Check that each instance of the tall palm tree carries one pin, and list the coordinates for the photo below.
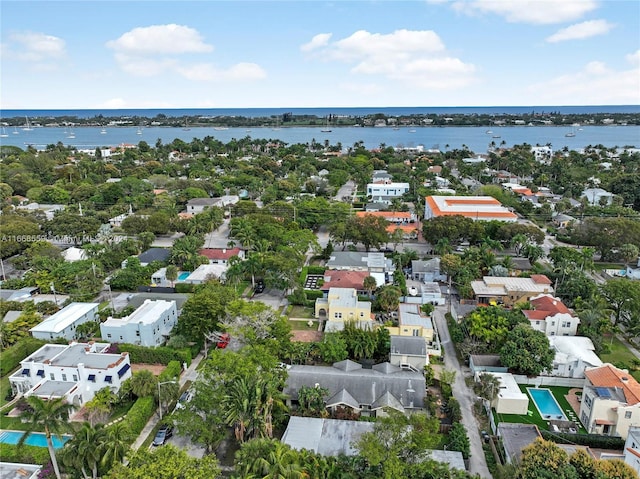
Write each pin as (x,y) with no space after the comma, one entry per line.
(143,383)
(53,415)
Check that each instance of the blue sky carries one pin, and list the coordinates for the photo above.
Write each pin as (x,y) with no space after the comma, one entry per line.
(244,54)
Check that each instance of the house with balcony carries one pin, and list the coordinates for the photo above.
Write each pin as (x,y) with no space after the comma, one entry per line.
(75,372)
(149,325)
(610,401)
(510,291)
(340,305)
(64,323)
(551,316)
(384,191)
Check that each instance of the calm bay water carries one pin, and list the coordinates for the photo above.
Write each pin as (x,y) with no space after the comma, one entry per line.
(476,138)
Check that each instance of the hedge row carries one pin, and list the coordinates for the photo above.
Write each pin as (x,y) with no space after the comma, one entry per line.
(25,454)
(12,356)
(184,287)
(316,269)
(139,415)
(172,371)
(592,440)
(313,294)
(159,355)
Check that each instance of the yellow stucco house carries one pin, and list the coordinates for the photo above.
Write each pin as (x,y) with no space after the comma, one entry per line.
(341,305)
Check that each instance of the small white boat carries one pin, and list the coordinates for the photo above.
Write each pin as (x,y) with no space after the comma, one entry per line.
(412,131)
(489,132)
(27,126)
(4,133)
(139,132)
(103,131)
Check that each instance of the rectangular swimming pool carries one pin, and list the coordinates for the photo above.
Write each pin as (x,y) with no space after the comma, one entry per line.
(546,404)
(184,275)
(38,439)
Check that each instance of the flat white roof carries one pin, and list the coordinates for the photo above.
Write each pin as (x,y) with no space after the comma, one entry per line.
(147,313)
(509,388)
(203,271)
(65,317)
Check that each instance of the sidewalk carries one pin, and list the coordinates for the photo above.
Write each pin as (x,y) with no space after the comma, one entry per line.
(189,375)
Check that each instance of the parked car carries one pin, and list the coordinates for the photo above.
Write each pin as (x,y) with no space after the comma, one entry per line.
(164,433)
(224,340)
(259,287)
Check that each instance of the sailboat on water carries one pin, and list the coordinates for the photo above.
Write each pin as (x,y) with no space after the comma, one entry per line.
(4,133)
(27,126)
(326,129)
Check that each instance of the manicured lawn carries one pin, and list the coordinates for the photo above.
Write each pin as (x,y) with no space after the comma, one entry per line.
(535,418)
(303,326)
(301,312)
(620,356)
(5,387)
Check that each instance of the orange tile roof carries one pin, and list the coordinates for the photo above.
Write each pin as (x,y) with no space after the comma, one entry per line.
(490,201)
(219,253)
(344,279)
(608,376)
(533,315)
(540,279)
(385,214)
(550,304)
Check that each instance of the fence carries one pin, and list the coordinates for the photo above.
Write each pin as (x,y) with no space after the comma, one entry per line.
(541,381)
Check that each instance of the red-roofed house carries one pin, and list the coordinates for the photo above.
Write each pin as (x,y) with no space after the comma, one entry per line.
(402,220)
(221,255)
(610,401)
(344,279)
(551,316)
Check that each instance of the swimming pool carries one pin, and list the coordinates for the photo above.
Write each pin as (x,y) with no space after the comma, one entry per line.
(37,439)
(184,275)
(547,405)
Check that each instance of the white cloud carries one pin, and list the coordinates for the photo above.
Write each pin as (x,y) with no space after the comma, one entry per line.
(169,39)
(595,84)
(417,58)
(320,40)
(159,49)
(580,31)
(633,58)
(539,12)
(41,51)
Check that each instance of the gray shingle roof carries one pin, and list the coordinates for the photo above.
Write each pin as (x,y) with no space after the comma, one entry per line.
(365,386)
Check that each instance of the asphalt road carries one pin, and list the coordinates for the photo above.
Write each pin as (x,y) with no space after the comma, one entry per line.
(464,395)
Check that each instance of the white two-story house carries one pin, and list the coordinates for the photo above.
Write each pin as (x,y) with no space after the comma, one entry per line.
(551,316)
(63,324)
(149,325)
(75,371)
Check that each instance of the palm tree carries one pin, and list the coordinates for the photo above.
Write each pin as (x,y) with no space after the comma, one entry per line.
(116,444)
(369,284)
(143,383)
(53,415)
(84,450)
(172,273)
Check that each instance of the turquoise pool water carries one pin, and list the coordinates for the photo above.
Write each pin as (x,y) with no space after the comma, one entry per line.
(184,275)
(546,404)
(37,439)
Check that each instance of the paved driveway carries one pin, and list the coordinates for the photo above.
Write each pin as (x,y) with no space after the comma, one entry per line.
(464,395)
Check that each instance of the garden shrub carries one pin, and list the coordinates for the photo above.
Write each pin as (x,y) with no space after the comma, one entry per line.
(592,440)
(184,287)
(12,355)
(24,455)
(159,355)
(139,415)
(172,371)
(316,269)
(314,294)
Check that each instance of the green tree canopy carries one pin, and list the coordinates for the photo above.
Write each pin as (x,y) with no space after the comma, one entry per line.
(527,351)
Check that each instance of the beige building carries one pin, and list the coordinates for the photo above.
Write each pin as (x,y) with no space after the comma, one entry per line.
(414,339)
(510,291)
(610,401)
(341,305)
(509,399)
